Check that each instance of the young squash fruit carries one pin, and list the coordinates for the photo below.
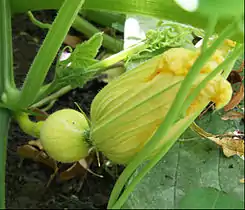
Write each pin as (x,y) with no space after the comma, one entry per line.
(63,136)
(127,112)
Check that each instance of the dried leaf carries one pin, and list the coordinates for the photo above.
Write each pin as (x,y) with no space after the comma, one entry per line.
(232,115)
(75,170)
(234,77)
(208,107)
(85,164)
(36,143)
(39,114)
(72,40)
(27,151)
(227,152)
(236,99)
(30,152)
(231,144)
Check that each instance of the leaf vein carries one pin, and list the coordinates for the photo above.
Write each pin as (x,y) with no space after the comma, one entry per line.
(176,175)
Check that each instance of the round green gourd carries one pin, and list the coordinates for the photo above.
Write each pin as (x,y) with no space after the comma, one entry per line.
(63,136)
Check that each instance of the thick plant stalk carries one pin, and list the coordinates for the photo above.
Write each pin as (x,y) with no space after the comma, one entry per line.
(6,81)
(4,126)
(6,61)
(86,28)
(89,30)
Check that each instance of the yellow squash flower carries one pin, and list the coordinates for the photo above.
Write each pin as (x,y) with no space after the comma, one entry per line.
(127,112)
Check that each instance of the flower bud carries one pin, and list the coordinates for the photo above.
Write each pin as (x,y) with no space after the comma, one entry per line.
(127,112)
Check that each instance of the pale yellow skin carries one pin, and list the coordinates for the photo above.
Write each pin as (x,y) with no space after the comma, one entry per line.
(62,136)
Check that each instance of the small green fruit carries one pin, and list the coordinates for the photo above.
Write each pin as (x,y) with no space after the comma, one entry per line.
(63,136)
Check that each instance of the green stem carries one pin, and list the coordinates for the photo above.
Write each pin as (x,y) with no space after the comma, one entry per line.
(94,69)
(229,60)
(37,22)
(228,68)
(210,30)
(170,118)
(48,51)
(49,106)
(29,127)
(106,19)
(149,165)
(52,97)
(89,30)
(6,56)
(4,126)
(86,28)
(6,81)
(119,56)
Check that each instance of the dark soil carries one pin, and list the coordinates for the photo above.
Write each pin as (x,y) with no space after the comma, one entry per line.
(26,183)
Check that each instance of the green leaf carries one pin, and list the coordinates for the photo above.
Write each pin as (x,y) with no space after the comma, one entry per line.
(167,34)
(84,54)
(72,70)
(172,34)
(191,163)
(165,10)
(209,198)
(222,8)
(69,76)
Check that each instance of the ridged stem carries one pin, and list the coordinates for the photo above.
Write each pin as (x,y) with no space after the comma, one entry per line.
(4,126)
(85,27)
(48,51)
(6,81)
